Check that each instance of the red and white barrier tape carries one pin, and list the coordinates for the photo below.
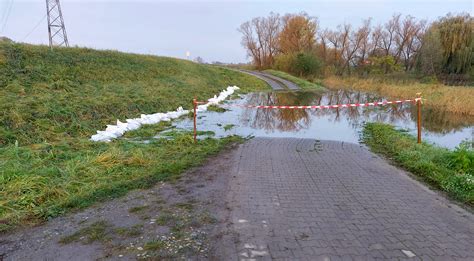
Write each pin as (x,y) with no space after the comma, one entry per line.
(320,106)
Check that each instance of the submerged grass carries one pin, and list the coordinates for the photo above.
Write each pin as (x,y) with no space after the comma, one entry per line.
(302,83)
(52,102)
(452,99)
(450,171)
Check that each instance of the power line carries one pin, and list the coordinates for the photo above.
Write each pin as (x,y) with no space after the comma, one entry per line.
(4,11)
(34,28)
(9,9)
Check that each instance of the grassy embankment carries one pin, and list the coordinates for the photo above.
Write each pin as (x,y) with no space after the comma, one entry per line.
(52,102)
(302,83)
(456,99)
(450,171)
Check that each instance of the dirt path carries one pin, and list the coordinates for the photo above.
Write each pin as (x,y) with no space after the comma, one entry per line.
(293,199)
(276,83)
(174,220)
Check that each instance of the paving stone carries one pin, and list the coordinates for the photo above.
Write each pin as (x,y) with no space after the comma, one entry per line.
(339,202)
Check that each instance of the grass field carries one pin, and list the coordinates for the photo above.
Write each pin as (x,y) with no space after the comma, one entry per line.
(449,170)
(52,102)
(302,83)
(455,99)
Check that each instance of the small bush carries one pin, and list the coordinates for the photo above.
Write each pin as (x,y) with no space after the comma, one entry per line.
(461,159)
(306,64)
(383,64)
(283,62)
(429,80)
(301,64)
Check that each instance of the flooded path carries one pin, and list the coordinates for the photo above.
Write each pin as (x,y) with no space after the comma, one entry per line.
(343,124)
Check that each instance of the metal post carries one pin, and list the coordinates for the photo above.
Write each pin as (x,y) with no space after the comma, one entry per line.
(418,106)
(195,111)
(56,29)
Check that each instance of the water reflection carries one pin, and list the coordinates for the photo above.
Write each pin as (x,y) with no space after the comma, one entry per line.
(438,121)
(336,124)
(278,120)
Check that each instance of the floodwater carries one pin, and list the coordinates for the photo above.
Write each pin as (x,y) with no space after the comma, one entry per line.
(343,124)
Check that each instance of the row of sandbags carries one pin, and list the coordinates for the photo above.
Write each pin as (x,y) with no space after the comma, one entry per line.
(117,130)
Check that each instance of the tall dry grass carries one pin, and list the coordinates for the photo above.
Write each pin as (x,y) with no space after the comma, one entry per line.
(455,99)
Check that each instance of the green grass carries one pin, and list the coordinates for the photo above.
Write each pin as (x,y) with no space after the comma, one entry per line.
(133,231)
(216,108)
(449,170)
(155,245)
(138,209)
(165,218)
(228,127)
(207,218)
(45,182)
(51,102)
(185,205)
(95,232)
(302,83)
(71,92)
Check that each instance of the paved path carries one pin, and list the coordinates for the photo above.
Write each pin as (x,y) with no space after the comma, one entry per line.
(288,84)
(299,199)
(276,83)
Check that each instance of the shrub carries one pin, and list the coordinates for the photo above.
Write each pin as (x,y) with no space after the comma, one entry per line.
(306,64)
(461,159)
(283,62)
(301,64)
(383,64)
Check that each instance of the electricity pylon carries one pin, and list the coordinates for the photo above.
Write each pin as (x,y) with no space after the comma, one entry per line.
(56,28)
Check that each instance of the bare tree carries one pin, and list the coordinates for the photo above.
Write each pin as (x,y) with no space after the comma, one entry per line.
(260,38)
(344,34)
(385,47)
(249,42)
(408,40)
(324,41)
(377,36)
(389,34)
(273,28)
(340,42)
(365,42)
(334,39)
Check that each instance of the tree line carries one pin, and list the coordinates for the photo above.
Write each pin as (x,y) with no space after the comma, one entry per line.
(295,43)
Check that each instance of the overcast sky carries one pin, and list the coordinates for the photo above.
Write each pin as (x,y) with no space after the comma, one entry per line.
(205,28)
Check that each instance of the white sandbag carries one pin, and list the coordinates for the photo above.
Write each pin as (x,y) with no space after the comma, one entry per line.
(116,131)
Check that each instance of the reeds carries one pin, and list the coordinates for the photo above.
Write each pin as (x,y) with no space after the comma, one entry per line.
(454,99)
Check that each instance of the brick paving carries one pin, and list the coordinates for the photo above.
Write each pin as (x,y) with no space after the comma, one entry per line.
(301,199)
(288,84)
(276,83)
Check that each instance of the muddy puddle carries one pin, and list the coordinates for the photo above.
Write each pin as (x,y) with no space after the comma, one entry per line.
(343,124)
